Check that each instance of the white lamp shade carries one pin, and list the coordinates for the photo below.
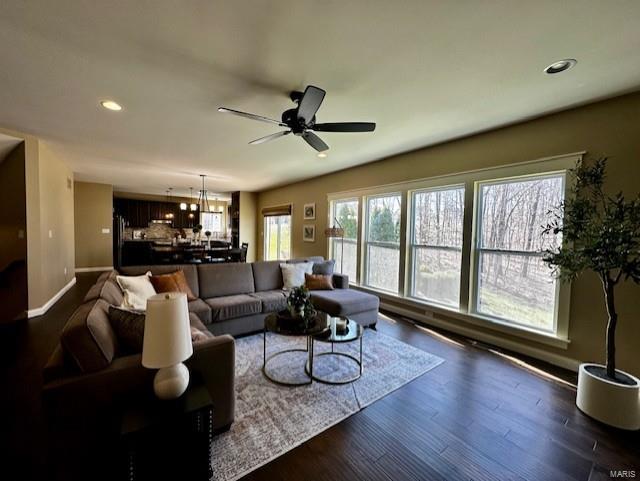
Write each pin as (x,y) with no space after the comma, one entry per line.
(183,206)
(167,333)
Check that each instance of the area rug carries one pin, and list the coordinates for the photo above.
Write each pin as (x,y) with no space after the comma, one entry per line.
(271,419)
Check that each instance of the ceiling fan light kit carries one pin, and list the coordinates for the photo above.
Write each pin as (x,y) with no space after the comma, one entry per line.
(301,120)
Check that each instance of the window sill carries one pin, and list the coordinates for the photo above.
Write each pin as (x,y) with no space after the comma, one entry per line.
(432,310)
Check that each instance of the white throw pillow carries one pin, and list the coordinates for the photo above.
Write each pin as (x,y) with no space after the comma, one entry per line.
(293,274)
(136,289)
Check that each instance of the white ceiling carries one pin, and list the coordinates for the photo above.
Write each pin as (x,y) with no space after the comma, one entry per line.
(425,71)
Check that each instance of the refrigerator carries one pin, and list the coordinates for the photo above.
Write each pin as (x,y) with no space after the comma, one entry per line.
(118,240)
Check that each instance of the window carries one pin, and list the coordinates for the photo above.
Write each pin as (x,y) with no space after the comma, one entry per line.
(512,282)
(277,237)
(436,244)
(211,221)
(345,215)
(382,245)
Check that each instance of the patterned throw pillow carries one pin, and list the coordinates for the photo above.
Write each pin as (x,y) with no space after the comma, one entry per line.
(128,326)
(318,282)
(324,268)
(293,274)
(173,282)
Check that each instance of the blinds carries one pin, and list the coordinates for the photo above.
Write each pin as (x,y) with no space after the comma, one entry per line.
(276,210)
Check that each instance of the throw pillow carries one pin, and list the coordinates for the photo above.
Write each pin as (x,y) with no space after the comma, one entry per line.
(318,282)
(293,274)
(129,329)
(136,289)
(197,335)
(324,268)
(173,282)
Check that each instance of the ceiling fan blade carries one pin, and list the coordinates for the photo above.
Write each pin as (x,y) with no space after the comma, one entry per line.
(345,127)
(310,103)
(269,138)
(250,116)
(314,141)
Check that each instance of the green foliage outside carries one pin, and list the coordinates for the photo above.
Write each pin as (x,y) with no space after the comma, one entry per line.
(348,220)
(382,228)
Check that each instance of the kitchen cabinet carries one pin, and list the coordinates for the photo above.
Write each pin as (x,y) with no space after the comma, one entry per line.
(140,213)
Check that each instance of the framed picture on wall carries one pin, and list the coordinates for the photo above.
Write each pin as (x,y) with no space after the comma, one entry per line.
(310,211)
(309,233)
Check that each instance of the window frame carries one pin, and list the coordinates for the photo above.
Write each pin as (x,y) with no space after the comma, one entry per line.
(366,243)
(265,230)
(558,164)
(478,250)
(331,241)
(412,245)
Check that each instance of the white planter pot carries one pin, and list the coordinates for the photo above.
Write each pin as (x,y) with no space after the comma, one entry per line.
(610,402)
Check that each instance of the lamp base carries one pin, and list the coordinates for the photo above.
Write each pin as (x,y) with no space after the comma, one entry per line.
(171,382)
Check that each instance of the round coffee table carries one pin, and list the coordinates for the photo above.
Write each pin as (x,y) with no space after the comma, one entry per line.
(341,330)
(276,325)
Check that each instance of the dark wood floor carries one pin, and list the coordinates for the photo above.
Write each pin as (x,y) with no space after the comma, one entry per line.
(477,416)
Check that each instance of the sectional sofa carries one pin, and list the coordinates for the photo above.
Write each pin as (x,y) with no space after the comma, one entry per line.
(87,373)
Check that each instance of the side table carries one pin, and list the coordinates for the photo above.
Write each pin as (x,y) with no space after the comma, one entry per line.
(169,439)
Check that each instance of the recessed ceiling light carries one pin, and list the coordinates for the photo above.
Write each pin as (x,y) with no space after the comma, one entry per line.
(560,66)
(322,155)
(111,105)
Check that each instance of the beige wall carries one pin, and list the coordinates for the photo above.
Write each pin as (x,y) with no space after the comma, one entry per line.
(248,213)
(56,250)
(93,211)
(606,128)
(50,231)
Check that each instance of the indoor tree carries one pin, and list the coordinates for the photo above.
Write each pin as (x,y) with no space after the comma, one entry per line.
(598,232)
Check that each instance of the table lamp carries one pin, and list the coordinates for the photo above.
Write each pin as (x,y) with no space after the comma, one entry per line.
(167,342)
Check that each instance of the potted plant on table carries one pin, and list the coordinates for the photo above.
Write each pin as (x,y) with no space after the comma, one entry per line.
(196,233)
(300,306)
(600,233)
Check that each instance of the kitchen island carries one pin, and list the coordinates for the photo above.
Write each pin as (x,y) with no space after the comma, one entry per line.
(164,251)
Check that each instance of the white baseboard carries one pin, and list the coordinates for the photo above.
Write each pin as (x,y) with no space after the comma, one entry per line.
(94,269)
(552,358)
(38,311)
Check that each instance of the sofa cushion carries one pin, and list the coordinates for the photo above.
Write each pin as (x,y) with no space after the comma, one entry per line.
(190,273)
(343,302)
(201,309)
(293,274)
(129,329)
(88,338)
(229,307)
(272,301)
(318,282)
(136,290)
(267,275)
(106,289)
(172,282)
(217,280)
(324,268)
(194,321)
(108,275)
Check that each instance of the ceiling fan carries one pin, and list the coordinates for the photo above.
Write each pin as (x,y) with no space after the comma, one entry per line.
(301,121)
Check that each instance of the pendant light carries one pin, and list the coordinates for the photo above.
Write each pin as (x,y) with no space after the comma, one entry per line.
(203,201)
(169,215)
(192,206)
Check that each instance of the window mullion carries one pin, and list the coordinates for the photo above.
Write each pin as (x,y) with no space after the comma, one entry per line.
(467,266)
